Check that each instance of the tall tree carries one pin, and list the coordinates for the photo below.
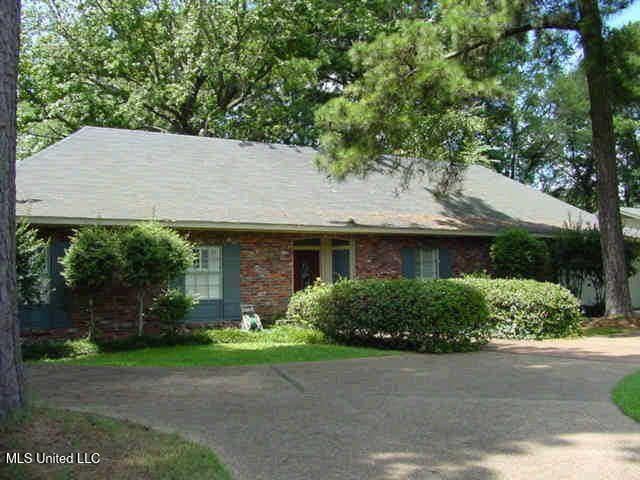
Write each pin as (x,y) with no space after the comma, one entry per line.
(423,89)
(11,374)
(227,68)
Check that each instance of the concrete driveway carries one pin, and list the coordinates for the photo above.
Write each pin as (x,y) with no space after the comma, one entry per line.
(485,415)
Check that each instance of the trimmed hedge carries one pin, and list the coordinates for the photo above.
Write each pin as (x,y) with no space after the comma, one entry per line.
(38,350)
(53,349)
(433,315)
(527,308)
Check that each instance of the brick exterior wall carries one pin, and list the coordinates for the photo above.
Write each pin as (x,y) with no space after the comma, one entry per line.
(266,273)
(380,256)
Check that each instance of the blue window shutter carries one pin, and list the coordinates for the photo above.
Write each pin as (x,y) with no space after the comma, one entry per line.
(408,262)
(231,281)
(446,263)
(60,296)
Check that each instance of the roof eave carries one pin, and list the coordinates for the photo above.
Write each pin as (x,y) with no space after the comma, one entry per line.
(266,227)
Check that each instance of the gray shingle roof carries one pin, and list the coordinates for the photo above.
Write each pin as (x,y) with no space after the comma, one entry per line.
(122,176)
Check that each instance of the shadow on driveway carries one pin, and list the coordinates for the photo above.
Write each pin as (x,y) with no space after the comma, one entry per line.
(481,415)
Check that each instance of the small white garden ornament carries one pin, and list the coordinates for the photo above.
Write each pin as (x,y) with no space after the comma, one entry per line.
(250,319)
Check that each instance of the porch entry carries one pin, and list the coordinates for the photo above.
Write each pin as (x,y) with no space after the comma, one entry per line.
(321,258)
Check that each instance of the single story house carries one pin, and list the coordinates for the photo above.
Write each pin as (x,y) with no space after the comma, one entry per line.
(267,222)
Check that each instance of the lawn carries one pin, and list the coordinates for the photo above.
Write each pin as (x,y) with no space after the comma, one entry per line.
(626,395)
(225,354)
(128,451)
(607,331)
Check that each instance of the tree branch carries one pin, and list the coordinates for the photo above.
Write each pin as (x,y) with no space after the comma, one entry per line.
(559,22)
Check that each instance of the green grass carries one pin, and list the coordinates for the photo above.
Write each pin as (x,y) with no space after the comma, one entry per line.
(606,331)
(225,354)
(626,395)
(128,451)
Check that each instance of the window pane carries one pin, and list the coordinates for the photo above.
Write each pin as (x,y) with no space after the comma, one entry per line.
(204,279)
(196,258)
(427,263)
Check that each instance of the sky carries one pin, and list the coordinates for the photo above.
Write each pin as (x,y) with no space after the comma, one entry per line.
(629,14)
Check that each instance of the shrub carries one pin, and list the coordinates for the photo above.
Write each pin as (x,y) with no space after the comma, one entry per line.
(171,307)
(515,253)
(527,308)
(91,264)
(433,315)
(577,257)
(303,309)
(30,263)
(135,342)
(51,349)
(152,254)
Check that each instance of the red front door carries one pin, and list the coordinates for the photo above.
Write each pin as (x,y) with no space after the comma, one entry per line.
(306,268)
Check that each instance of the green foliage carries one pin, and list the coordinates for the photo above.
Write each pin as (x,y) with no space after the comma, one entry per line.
(55,349)
(304,305)
(51,349)
(434,315)
(410,103)
(31,258)
(171,307)
(92,263)
(152,254)
(249,70)
(527,308)
(515,253)
(577,258)
(136,342)
(58,349)
(277,334)
(93,260)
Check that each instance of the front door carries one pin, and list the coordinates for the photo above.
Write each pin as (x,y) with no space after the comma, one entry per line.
(306,268)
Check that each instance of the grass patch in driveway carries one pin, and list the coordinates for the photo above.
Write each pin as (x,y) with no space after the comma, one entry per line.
(626,395)
(226,354)
(128,451)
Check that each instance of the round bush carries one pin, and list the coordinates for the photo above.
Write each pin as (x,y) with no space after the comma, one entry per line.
(529,309)
(303,309)
(434,315)
(515,253)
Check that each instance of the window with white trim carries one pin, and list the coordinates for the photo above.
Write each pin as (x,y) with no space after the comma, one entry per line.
(204,279)
(427,263)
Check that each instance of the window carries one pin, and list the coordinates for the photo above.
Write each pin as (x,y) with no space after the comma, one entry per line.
(427,263)
(204,278)
(341,259)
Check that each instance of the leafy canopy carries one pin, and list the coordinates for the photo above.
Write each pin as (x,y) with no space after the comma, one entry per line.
(424,91)
(226,68)
(153,254)
(93,261)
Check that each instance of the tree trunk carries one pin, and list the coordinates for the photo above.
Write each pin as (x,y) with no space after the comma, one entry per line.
(11,374)
(617,298)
